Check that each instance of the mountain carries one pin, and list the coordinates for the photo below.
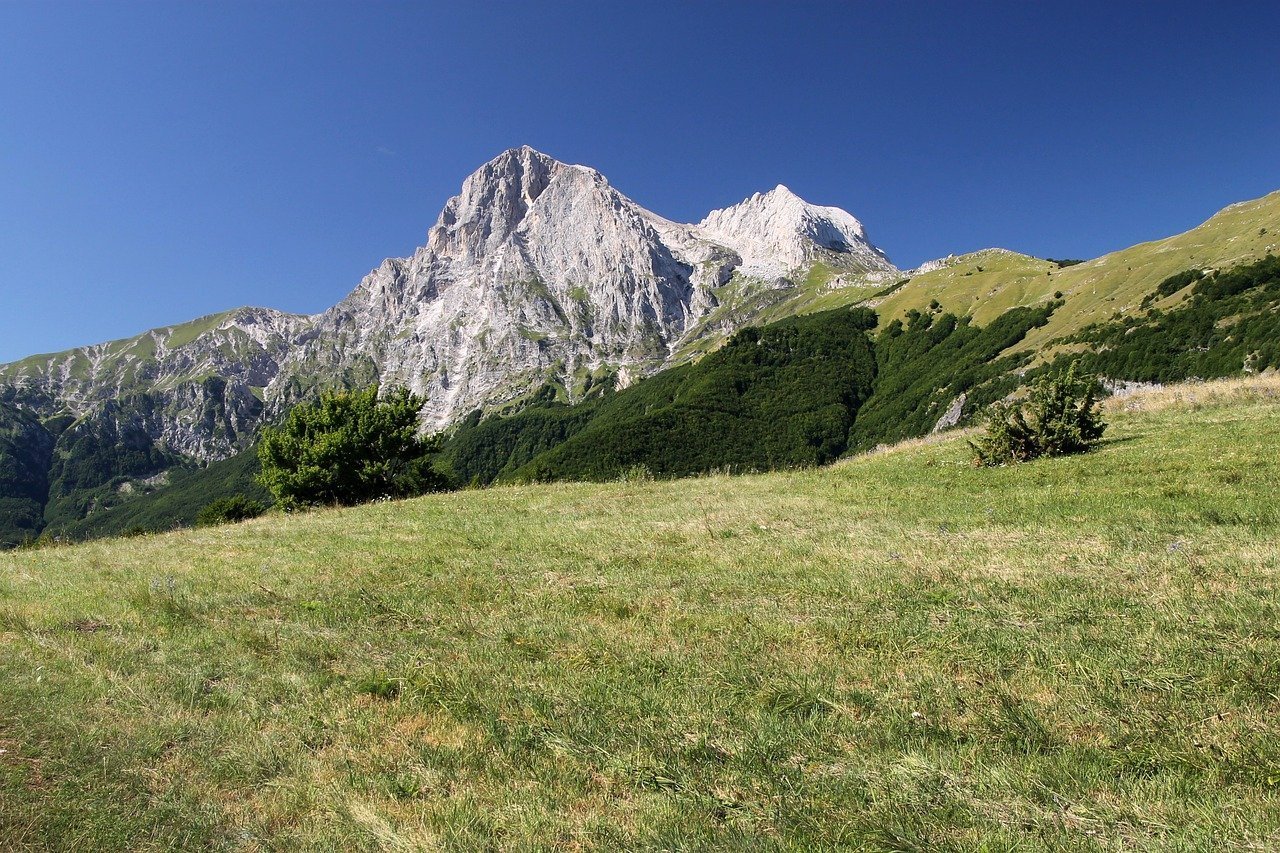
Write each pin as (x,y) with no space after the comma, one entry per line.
(542,283)
(778,232)
(541,271)
(204,381)
(537,272)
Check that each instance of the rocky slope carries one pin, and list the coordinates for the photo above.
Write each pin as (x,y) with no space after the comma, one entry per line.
(778,232)
(203,381)
(536,271)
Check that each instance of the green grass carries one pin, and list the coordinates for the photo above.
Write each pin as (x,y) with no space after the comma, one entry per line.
(140,349)
(185,333)
(899,652)
(531,334)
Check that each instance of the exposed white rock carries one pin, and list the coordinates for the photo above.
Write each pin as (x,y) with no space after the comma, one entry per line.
(778,232)
(930,266)
(244,346)
(953,260)
(952,415)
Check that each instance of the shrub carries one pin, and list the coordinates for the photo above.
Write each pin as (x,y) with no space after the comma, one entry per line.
(347,448)
(638,473)
(1059,416)
(229,511)
(1172,285)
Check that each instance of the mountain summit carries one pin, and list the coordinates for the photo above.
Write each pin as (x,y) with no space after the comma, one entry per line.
(542,271)
(537,273)
(538,279)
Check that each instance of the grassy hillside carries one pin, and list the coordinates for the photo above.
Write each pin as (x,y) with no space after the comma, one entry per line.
(1219,325)
(896,653)
(126,358)
(986,284)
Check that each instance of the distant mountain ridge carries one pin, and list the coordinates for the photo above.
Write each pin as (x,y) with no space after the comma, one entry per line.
(243,349)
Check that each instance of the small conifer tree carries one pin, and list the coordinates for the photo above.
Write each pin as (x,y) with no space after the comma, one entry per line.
(1059,416)
(229,511)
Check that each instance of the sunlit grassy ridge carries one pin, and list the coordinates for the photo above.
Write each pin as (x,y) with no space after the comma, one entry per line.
(125,356)
(898,652)
(986,284)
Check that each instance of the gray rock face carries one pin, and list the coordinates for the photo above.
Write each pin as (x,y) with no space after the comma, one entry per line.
(540,270)
(952,415)
(536,271)
(202,380)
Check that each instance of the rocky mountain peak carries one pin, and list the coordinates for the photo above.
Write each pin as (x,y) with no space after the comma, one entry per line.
(493,201)
(536,270)
(496,200)
(777,232)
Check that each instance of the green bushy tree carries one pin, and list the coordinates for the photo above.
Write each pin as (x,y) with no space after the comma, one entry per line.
(1059,416)
(347,448)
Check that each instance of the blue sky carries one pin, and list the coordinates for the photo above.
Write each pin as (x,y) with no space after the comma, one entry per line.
(160,161)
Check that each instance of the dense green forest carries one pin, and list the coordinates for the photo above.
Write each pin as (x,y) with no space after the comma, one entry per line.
(26,449)
(799,392)
(1229,323)
(780,396)
(103,475)
(924,364)
(96,461)
(176,504)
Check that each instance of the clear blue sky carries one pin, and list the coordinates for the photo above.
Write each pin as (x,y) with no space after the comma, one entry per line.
(164,160)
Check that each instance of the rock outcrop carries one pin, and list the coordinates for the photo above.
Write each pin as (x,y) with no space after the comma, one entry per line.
(542,271)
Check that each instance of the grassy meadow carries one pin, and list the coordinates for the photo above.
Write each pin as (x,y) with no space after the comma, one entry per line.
(898,652)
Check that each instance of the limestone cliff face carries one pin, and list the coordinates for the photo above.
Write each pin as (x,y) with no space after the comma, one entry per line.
(777,232)
(536,271)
